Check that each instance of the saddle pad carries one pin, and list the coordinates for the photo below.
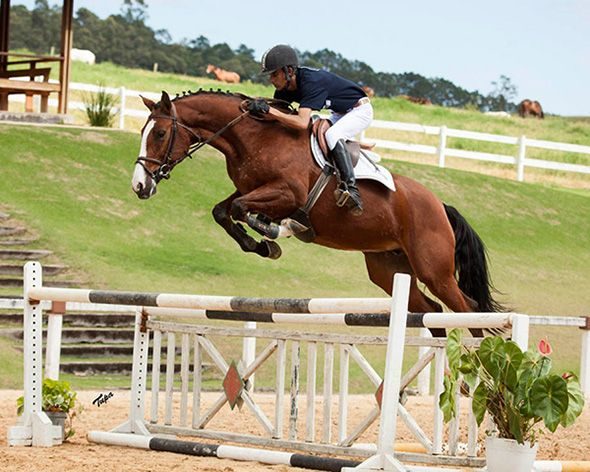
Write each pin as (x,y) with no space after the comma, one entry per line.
(366,168)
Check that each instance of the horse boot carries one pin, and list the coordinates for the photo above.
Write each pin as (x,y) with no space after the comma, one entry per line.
(347,192)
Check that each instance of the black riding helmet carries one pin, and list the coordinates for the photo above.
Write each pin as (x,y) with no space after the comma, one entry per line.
(278,57)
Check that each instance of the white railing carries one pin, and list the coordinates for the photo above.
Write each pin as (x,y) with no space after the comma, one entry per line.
(519,160)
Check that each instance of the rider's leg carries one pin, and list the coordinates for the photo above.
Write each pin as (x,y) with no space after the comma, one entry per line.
(348,192)
(345,127)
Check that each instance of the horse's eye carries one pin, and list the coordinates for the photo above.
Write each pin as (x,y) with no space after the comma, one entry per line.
(160,133)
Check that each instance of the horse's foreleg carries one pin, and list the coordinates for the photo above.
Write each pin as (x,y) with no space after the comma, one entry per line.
(259,207)
(239,234)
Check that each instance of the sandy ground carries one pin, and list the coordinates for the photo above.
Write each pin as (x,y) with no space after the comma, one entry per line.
(78,454)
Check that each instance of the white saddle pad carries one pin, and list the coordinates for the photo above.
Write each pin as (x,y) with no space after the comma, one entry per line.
(366,167)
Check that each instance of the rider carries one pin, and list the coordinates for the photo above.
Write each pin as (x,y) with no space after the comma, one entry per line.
(313,89)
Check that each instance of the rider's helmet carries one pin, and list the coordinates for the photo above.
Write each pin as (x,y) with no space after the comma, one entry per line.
(278,57)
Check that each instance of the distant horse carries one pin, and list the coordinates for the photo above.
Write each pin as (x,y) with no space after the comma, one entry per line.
(223,75)
(369,91)
(409,230)
(530,108)
(418,100)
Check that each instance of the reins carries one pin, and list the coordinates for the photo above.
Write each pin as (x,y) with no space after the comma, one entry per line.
(166,166)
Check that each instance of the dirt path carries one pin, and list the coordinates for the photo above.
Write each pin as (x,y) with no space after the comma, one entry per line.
(79,454)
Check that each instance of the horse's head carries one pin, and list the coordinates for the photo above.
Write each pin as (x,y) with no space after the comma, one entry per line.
(163,146)
(210,68)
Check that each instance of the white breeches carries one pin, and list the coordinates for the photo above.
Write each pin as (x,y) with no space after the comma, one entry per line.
(347,126)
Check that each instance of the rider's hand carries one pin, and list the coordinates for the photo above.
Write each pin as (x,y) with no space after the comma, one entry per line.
(258,107)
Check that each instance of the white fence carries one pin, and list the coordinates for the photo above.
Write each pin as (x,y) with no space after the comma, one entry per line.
(582,323)
(519,160)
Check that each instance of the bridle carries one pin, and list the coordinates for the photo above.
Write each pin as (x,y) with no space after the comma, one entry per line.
(166,165)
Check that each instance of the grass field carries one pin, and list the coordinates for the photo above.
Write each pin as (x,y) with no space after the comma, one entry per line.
(72,187)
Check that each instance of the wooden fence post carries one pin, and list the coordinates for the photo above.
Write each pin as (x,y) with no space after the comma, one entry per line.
(442,144)
(520,158)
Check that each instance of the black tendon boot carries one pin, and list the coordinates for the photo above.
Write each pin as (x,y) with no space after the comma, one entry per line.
(347,193)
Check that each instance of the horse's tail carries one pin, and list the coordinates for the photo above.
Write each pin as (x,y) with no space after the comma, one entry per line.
(471,263)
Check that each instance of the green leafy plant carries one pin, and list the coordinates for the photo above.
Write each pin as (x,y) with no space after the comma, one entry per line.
(516,388)
(57,397)
(99,108)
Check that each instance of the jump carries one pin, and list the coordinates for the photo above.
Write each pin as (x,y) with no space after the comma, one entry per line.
(408,230)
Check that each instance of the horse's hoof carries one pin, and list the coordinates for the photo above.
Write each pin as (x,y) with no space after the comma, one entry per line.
(269,249)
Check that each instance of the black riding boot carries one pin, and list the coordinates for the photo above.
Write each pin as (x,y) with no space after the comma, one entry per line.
(347,193)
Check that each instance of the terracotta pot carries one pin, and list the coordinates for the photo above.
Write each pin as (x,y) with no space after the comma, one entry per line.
(506,455)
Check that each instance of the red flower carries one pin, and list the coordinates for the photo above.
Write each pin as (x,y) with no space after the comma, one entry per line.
(544,347)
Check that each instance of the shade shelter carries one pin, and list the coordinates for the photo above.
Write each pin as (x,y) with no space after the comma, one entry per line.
(28,74)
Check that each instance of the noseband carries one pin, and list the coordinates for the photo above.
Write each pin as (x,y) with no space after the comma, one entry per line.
(166,166)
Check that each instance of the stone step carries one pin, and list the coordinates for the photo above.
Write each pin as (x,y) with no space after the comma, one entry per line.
(95,350)
(24,253)
(89,368)
(12,230)
(17,242)
(84,335)
(4,216)
(81,319)
(18,282)
(17,269)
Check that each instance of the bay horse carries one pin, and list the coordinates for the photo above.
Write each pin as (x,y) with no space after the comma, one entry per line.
(409,230)
(530,108)
(223,75)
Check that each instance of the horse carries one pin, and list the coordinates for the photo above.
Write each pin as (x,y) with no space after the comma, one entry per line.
(369,91)
(530,108)
(408,230)
(223,75)
(418,100)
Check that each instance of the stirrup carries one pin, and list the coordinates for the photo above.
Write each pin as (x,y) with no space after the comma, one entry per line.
(341,194)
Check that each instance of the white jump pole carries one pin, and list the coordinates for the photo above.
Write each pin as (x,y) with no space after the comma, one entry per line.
(34,427)
(385,459)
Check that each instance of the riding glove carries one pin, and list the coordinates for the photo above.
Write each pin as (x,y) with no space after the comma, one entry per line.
(258,106)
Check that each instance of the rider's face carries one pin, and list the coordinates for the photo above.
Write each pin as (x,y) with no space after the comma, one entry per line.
(278,80)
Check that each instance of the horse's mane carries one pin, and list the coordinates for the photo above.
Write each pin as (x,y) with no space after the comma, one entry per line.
(274,102)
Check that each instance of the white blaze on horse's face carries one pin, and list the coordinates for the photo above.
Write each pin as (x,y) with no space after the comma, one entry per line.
(142,183)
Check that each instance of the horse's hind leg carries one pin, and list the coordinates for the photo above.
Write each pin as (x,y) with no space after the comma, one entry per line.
(383,265)
(433,261)
(238,233)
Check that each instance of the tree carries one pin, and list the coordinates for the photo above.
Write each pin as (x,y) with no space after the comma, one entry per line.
(503,91)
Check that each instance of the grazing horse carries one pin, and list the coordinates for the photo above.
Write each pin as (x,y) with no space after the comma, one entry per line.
(418,100)
(408,230)
(530,108)
(223,75)
(369,91)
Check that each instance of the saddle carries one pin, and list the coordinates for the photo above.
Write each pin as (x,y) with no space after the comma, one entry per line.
(319,128)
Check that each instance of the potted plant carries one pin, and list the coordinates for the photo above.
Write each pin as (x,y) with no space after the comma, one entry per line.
(518,391)
(58,402)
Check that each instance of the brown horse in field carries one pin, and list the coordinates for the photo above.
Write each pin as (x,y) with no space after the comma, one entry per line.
(223,75)
(409,230)
(530,108)
(369,91)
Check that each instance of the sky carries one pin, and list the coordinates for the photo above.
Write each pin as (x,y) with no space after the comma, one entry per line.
(543,46)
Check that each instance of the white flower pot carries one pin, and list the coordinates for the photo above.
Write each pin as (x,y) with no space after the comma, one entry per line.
(506,455)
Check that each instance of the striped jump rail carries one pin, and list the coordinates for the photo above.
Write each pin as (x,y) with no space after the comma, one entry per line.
(197,341)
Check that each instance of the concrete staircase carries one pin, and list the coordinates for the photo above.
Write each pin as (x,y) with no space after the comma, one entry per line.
(93,343)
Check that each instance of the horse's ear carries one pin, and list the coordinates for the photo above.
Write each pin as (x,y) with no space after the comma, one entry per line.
(165,103)
(148,103)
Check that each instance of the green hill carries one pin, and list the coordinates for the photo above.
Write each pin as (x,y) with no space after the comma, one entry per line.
(73,187)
